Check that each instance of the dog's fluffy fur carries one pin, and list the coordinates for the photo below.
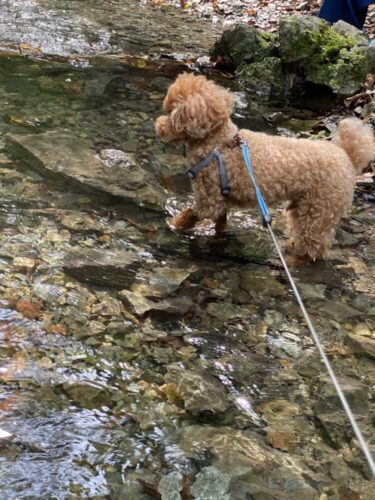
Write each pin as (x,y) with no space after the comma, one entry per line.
(316,177)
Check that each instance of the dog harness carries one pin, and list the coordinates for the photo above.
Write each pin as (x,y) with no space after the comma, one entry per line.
(218,157)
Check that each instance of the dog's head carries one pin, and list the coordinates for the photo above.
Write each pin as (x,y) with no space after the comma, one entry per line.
(195,107)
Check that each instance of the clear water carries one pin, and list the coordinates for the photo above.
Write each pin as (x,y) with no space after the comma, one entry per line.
(84,392)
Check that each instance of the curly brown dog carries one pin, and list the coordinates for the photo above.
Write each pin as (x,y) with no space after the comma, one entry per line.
(316,177)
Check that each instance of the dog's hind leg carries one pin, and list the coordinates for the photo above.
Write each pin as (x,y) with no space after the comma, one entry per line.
(312,229)
(184,220)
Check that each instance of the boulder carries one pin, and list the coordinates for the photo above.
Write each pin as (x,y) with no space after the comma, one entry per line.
(64,155)
(264,79)
(299,37)
(306,50)
(336,57)
(242,44)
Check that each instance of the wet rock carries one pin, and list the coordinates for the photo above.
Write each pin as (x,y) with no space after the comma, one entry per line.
(282,439)
(252,246)
(170,486)
(339,311)
(131,490)
(263,80)
(288,342)
(261,282)
(199,392)
(256,471)
(361,345)
(87,394)
(161,282)
(329,411)
(98,29)
(299,37)
(140,305)
(114,269)
(108,306)
(117,174)
(241,44)
(223,312)
(312,292)
(211,484)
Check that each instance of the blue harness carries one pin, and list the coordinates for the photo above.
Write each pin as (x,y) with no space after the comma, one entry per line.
(225,188)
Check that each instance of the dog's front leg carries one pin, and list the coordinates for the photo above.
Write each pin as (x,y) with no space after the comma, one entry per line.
(184,220)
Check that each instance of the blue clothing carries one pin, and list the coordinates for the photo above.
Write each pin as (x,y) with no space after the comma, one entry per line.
(351,11)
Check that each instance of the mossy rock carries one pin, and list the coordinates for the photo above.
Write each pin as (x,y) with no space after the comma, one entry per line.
(344,76)
(300,37)
(264,79)
(243,44)
(307,48)
(338,56)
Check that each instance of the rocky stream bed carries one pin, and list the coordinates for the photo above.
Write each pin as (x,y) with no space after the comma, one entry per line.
(136,363)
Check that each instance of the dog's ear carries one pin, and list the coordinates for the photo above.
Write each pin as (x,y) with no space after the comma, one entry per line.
(200,113)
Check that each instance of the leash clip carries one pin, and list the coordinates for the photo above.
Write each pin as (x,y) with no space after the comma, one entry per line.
(191,174)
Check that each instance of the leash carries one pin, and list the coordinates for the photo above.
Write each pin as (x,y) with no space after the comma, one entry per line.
(266,221)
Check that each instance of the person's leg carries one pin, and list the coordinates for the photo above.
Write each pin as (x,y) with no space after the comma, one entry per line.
(351,11)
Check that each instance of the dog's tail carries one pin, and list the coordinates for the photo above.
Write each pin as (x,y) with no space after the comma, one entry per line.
(357,140)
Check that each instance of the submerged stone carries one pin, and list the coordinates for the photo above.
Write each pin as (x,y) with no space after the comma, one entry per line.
(211,484)
(329,411)
(63,154)
(171,485)
(162,281)
(111,268)
(361,345)
(176,306)
(87,394)
(199,392)
(255,470)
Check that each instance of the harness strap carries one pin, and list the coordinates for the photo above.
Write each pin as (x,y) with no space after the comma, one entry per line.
(218,157)
(194,171)
(225,189)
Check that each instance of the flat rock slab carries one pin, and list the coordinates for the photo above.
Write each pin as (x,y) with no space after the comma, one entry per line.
(65,155)
(53,27)
(108,268)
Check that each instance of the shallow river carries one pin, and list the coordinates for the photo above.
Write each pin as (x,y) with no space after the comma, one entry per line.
(136,363)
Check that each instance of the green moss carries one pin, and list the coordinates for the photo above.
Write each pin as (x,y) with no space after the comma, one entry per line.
(263,79)
(323,55)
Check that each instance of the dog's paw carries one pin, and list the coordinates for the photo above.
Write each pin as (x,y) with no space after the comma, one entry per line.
(294,261)
(184,221)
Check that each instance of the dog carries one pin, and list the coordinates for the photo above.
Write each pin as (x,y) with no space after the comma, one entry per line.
(316,178)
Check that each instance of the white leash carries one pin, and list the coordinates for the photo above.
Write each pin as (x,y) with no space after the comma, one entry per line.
(341,395)
(266,219)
